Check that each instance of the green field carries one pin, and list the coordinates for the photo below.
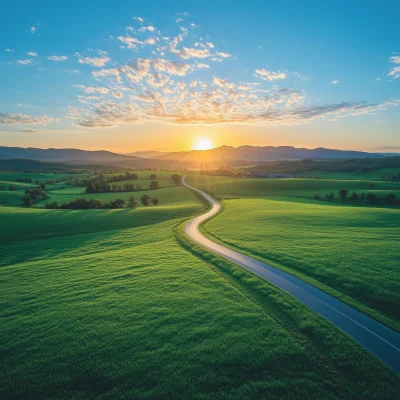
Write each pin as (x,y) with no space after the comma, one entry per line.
(105,304)
(12,176)
(378,175)
(351,252)
(228,187)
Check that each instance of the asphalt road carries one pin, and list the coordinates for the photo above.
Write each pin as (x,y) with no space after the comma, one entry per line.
(375,337)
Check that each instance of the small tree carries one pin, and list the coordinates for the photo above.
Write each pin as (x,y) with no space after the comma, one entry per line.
(27,201)
(145,199)
(371,198)
(371,186)
(42,186)
(362,196)
(153,176)
(132,202)
(119,203)
(52,205)
(154,185)
(317,197)
(331,196)
(154,201)
(390,198)
(354,196)
(343,194)
(176,178)
(12,189)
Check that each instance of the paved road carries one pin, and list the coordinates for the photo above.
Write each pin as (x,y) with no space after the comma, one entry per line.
(377,338)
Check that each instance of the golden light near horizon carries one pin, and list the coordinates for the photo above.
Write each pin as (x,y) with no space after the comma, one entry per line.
(203,144)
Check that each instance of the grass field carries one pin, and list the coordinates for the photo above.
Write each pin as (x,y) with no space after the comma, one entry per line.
(351,252)
(12,176)
(105,304)
(166,195)
(227,187)
(379,175)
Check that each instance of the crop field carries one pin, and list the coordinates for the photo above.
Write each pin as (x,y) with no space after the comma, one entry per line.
(105,304)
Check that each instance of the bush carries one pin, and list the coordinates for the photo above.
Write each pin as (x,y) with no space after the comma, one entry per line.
(53,205)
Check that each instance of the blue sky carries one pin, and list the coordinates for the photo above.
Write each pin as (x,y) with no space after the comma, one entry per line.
(129,76)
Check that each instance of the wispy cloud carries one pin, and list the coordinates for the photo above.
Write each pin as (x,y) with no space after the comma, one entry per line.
(269,75)
(57,58)
(25,62)
(10,50)
(23,119)
(335,82)
(32,54)
(395,72)
(33,29)
(95,61)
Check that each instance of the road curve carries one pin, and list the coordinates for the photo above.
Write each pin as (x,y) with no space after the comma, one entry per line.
(375,337)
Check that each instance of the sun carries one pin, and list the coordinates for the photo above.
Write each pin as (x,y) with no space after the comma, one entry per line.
(203,144)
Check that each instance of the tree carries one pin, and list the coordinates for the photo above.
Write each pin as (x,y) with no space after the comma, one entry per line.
(42,186)
(354,196)
(331,196)
(176,178)
(27,201)
(343,194)
(390,198)
(362,196)
(371,198)
(317,197)
(154,185)
(52,205)
(155,201)
(119,203)
(153,176)
(371,186)
(12,189)
(145,199)
(132,202)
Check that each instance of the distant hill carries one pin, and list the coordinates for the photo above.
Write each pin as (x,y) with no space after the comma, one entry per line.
(147,154)
(261,154)
(81,157)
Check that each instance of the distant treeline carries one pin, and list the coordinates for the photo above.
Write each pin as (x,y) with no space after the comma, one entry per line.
(354,165)
(108,184)
(369,198)
(82,203)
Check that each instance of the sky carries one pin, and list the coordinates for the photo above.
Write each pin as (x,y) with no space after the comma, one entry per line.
(127,76)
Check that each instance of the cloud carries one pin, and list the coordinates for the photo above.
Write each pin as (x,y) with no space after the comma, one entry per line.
(32,54)
(28,130)
(33,30)
(395,72)
(117,95)
(10,50)
(91,89)
(95,61)
(268,75)
(335,82)
(22,119)
(57,58)
(25,62)
(140,19)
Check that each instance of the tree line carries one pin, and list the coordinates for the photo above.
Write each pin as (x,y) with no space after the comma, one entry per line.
(82,203)
(370,198)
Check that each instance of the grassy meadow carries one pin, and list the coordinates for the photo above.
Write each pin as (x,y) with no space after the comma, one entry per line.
(351,252)
(105,304)
(117,304)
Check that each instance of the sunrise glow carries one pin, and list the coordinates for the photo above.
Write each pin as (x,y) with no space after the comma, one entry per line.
(203,144)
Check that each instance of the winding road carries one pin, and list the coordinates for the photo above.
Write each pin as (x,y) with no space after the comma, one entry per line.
(375,337)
